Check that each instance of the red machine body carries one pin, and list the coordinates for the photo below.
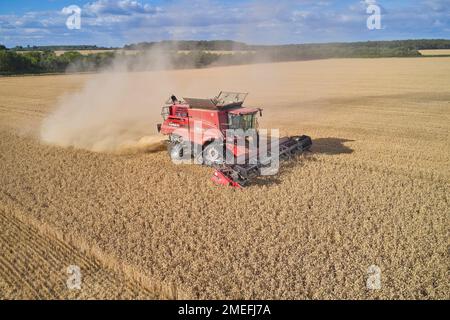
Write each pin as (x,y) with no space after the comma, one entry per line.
(220,178)
(202,121)
(198,128)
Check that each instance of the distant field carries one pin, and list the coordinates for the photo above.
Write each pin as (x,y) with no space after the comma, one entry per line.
(83,52)
(86,52)
(439,52)
(373,191)
(221,52)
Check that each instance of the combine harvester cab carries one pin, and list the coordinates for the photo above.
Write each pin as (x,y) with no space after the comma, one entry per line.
(208,130)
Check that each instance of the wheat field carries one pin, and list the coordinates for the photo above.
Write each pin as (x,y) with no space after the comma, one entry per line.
(435,52)
(374,190)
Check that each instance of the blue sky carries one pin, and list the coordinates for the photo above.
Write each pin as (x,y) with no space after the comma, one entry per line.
(118,22)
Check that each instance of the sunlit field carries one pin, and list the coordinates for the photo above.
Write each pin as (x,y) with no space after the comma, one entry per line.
(374,190)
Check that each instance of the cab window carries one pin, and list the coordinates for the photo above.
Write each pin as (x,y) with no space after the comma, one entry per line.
(245,122)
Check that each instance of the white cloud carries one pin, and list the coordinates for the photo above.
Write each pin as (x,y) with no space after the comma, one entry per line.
(116,22)
(121,7)
(438,5)
(299,15)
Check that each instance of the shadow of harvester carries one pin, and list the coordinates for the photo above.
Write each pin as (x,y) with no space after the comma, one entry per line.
(329,146)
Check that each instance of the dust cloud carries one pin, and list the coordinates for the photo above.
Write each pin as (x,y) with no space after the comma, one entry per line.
(115,111)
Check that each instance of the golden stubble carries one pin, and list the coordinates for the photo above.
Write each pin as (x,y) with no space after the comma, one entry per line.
(373,191)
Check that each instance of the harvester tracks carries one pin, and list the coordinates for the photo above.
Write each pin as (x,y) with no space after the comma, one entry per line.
(22,111)
(33,265)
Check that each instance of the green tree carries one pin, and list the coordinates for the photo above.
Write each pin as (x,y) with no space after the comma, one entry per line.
(11,62)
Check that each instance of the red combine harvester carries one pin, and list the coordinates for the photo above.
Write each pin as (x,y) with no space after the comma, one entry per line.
(218,132)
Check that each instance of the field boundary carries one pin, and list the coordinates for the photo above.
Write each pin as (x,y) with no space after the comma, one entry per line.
(165,291)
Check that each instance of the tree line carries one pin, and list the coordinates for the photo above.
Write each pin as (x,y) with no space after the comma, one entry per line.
(13,62)
(197,54)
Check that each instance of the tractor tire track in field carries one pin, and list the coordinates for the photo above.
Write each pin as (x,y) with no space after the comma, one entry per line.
(33,265)
(23,111)
(68,243)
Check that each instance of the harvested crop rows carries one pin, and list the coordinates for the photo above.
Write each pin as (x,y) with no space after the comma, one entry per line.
(34,263)
(374,191)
